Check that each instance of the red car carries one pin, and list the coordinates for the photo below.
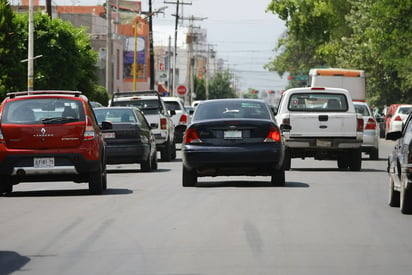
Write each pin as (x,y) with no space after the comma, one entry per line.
(50,136)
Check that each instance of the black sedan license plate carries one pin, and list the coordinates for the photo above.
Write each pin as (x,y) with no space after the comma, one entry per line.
(232,134)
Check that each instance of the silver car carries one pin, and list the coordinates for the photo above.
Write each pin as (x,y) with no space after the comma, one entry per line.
(370,143)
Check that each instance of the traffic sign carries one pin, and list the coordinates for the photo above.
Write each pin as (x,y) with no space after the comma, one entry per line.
(181,89)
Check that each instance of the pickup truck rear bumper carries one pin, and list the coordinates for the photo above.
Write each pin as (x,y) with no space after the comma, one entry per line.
(323,143)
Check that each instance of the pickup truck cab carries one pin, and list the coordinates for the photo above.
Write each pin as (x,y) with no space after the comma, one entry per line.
(155,111)
(321,123)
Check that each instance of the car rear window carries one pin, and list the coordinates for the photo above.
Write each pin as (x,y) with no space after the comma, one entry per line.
(115,115)
(231,109)
(147,106)
(173,106)
(318,102)
(362,109)
(43,110)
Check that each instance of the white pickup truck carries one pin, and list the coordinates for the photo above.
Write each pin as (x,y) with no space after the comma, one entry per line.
(321,123)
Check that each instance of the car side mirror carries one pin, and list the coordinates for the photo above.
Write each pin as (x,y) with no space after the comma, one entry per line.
(106,125)
(154,125)
(172,112)
(393,135)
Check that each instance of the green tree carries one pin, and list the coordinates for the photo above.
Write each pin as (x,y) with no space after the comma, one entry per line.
(67,60)
(11,69)
(220,86)
(200,88)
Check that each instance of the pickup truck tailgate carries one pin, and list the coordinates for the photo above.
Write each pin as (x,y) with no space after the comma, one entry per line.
(326,124)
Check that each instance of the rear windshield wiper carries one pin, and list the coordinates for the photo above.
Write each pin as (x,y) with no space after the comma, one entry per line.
(57,120)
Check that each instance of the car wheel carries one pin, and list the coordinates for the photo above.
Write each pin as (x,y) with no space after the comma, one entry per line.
(96,182)
(174,150)
(278,178)
(146,166)
(189,177)
(104,178)
(405,198)
(374,154)
(154,161)
(343,162)
(166,154)
(394,196)
(287,161)
(6,187)
(355,162)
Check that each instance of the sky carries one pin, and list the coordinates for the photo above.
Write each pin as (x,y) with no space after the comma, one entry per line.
(241,32)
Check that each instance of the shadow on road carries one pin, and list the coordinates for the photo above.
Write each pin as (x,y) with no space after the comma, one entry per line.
(67,193)
(11,261)
(249,184)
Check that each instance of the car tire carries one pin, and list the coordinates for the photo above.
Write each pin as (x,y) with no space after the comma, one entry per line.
(146,166)
(96,182)
(6,187)
(355,162)
(394,196)
(166,154)
(104,178)
(343,162)
(189,177)
(173,150)
(287,160)
(154,161)
(278,178)
(374,154)
(405,198)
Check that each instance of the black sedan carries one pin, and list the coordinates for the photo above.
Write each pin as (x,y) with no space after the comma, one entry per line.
(400,168)
(233,137)
(128,137)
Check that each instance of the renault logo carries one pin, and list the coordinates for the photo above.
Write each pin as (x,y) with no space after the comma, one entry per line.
(43,133)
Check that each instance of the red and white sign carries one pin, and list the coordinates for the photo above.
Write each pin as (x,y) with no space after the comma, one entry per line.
(181,89)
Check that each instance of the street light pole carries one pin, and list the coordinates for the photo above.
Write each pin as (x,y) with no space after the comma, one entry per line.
(30,60)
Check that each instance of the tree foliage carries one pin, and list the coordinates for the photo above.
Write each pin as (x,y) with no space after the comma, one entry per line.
(220,86)
(373,35)
(67,60)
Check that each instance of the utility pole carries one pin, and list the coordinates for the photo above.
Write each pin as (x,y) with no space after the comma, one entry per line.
(177,3)
(151,51)
(192,38)
(30,69)
(109,49)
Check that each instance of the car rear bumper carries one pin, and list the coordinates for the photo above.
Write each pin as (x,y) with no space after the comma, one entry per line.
(266,156)
(134,153)
(65,165)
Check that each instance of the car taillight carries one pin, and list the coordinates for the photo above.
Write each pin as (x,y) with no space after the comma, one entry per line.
(89,133)
(359,127)
(397,118)
(163,124)
(183,119)
(371,124)
(273,135)
(191,136)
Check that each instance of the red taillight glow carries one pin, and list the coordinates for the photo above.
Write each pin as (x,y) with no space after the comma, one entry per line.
(359,127)
(163,124)
(191,136)
(371,124)
(183,119)
(397,118)
(89,133)
(273,135)
(317,88)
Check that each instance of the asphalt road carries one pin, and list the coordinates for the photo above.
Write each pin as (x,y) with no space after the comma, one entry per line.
(324,221)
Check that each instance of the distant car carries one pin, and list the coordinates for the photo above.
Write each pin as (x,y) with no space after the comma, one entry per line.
(229,137)
(180,117)
(50,136)
(397,119)
(128,137)
(152,105)
(95,104)
(400,168)
(370,143)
